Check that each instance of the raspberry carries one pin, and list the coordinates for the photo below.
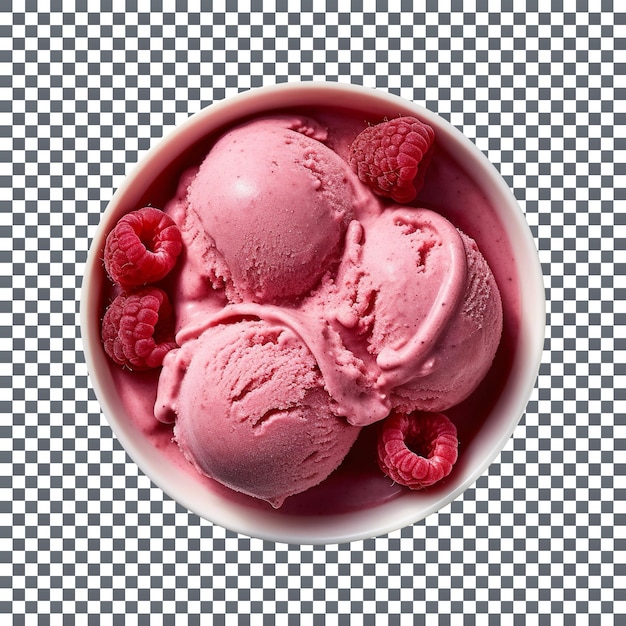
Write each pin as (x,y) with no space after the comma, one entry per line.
(389,157)
(417,450)
(142,248)
(138,329)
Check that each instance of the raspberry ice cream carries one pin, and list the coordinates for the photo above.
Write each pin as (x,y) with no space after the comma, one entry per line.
(316,302)
(419,296)
(251,410)
(267,210)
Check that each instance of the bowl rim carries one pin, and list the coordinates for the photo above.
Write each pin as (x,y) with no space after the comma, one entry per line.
(399,513)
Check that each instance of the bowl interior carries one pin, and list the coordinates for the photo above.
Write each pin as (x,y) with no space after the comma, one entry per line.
(159,172)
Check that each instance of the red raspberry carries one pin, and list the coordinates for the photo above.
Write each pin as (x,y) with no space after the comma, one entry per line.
(138,329)
(142,248)
(417,450)
(389,156)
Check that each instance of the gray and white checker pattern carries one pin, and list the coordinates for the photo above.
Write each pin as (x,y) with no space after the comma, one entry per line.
(87,87)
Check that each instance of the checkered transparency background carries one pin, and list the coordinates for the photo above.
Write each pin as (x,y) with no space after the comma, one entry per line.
(87,88)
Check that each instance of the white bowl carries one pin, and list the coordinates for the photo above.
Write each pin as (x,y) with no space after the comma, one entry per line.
(159,170)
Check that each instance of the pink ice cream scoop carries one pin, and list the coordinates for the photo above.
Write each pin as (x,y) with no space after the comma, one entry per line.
(265,214)
(420,296)
(467,345)
(251,410)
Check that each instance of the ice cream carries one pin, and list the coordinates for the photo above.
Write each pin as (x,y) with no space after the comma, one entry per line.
(266,212)
(428,304)
(252,411)
(310,305)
